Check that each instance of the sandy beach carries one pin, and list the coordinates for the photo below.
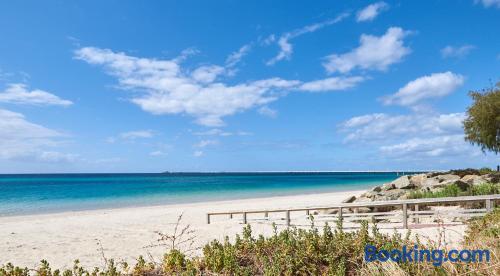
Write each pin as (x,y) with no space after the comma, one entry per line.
(124,234)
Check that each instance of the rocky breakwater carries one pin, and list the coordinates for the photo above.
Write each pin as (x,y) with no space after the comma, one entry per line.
(404,186)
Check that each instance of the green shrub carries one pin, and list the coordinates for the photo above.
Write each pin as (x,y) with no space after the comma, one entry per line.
(454,190)
(486,189)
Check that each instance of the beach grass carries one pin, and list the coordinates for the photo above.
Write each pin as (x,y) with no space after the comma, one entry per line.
(454,190)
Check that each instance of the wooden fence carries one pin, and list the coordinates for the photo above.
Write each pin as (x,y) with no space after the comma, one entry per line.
(408,210)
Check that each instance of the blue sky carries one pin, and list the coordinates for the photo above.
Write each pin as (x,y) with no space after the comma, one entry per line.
(127,86)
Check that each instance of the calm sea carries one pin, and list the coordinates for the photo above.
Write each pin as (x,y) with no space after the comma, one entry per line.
(47,193)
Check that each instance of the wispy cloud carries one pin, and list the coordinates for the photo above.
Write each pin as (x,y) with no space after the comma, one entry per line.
(24,140)
(234,58)
(206,143)
(220,132)
(428,147)
(18,93)
(489,3)
(411,137)
(268,112)
(427,87)
(164,87)
(331,84)
(374,52)
(456,52)
(286,48)
(381,126)
(131,135)
(370,12)
(157,153)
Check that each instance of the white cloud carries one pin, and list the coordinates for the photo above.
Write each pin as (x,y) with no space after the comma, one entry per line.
(331,84)
(410,137)
(157,153)
(163,87)
(110,160)
(23,140)
(375,53)
(268,112)
(207,74)
(219,132)
(456,52)
(428,147)
(363,120)
(18,93)
(489,3)
(198,153)
(57,157)
(286,48)
(371,11)
(432,86)
(131,135)
(206,143)
(381,126)
(235,58)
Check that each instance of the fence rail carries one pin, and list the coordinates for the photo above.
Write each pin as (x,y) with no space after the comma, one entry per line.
(405,215)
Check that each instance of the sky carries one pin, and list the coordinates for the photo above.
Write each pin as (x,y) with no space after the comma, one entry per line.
(153,86)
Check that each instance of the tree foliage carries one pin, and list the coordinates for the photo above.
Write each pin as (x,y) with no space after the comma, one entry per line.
(483,119)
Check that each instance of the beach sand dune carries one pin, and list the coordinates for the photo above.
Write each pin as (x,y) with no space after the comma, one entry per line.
(124,234)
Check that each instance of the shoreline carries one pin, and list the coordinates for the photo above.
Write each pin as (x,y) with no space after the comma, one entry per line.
(178,205)
(125,233)
(195,200)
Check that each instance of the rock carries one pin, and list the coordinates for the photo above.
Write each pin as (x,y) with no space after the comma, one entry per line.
(402,183)
(418,180)
(387,186)
(449,178)
(363,210)
(371,194)
(474,179)
(432,183)
(362,199)
(391,194)
(492,177)
(462,185)
(349,199)
(377,189)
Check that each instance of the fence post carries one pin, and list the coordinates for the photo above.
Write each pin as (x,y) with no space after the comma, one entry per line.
(230,215)
(416,219)
(266,214)
(307,212)
(488,205)
(405,215)
(287,217)
(208,218)
(340,213)
(244,217)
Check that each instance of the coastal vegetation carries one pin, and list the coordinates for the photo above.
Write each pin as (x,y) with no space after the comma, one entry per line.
(455,190)
(294,251)
(482,124)
(466,182)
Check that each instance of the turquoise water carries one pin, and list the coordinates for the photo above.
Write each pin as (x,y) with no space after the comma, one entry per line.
(47,193)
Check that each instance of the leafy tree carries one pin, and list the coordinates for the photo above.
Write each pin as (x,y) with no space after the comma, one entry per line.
(483,119)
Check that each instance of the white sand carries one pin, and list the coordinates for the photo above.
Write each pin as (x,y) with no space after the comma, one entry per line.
(126,233)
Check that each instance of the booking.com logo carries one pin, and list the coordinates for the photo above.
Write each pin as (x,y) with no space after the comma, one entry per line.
(436,256)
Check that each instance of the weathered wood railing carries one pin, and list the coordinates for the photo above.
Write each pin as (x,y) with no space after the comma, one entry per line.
(405,215)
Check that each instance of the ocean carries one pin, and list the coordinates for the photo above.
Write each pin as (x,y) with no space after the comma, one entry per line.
(49,193)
